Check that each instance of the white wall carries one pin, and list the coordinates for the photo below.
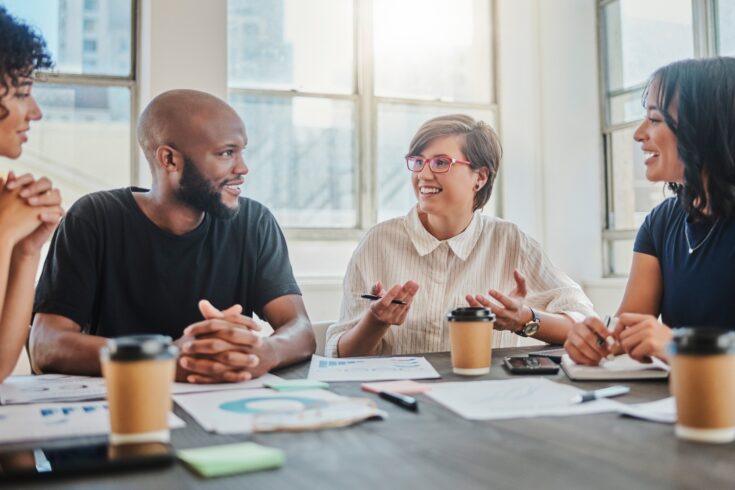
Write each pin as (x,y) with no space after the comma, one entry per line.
(182,44)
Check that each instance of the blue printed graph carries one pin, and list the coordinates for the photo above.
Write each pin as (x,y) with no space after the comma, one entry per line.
(55,411)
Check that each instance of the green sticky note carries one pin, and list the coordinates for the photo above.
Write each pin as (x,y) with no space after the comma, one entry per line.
(296,384)
(230,459)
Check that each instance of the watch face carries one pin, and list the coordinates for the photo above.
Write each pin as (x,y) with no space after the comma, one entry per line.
(530,328)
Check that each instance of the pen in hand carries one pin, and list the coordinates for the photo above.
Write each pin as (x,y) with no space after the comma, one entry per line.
(609,340)
(375,297)
(608,392)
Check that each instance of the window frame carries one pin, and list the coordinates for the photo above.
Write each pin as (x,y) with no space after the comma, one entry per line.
(366,104)
(130,81)
(705,43)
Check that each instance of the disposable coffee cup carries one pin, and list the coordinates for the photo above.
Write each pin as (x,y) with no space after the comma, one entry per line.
(471,335)
(703,383)
(139,371)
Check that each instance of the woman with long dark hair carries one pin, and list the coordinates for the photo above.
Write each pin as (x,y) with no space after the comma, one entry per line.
(684,255)
(29,208)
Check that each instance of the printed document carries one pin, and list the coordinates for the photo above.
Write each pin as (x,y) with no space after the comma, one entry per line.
(370,368)
(514,398)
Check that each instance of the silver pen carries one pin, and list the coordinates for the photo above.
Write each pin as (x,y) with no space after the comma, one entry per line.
(608,392)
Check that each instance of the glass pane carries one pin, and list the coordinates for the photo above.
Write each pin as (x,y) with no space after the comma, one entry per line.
(633,195)
(91,37)
(626,108)
(397,123)
(301,154)
(83,141)
(443,52)
(642,35)
(621,257)
(726,35)
(304,45)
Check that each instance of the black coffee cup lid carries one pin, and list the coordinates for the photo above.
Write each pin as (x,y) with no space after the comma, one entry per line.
(471,314)
(702,340)
(139,347)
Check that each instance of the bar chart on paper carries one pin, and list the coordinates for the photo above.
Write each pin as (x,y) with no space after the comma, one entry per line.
(44,421)
(370,369)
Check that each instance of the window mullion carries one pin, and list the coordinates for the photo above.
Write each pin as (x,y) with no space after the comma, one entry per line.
(366,115)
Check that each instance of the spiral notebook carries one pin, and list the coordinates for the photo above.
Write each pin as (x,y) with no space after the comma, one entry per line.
(622,367)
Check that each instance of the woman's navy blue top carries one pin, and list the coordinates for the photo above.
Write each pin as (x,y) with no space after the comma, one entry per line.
(698,287)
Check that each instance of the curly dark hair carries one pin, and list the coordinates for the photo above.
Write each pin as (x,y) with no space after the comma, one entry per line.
(704,91)
(22,52)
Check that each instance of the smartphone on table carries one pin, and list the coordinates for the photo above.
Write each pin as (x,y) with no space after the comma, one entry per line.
(530,365)
(74,460)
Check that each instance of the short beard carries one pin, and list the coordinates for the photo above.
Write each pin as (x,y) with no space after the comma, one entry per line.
(198,193)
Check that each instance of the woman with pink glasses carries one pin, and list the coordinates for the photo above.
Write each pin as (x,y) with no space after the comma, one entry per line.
(445,254)
(29,208)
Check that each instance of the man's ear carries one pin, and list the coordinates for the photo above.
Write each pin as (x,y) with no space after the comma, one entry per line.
(168,159)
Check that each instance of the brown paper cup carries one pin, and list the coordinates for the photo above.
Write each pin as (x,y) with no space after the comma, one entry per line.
(471,337)
(703,384)
(139,372)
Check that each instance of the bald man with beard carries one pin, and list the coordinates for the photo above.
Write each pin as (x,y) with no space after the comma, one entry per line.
(188,258)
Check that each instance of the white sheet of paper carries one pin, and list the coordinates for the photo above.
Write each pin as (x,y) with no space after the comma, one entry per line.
(182,388)
(514,398)
(231,412)
(662,411)
(370,368)
(51,388)
(66,388)
(58,420)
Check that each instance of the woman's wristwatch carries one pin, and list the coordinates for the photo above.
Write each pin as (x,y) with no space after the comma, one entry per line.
(531,328)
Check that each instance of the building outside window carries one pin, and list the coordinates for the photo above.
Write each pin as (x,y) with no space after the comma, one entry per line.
(331,92)
(84,143)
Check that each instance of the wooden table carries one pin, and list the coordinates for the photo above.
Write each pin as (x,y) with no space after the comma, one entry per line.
(437,449)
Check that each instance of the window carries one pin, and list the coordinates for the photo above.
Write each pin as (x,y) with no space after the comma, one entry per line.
(326,145)
(84,142)
(637,37)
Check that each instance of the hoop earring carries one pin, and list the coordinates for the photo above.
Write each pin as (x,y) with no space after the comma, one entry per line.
(477,187)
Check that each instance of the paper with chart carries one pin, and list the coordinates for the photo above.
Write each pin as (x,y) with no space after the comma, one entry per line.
(514,398)
(67,388)
(58,420)
(51,388)
(370,368)
(662,411)
(231,412)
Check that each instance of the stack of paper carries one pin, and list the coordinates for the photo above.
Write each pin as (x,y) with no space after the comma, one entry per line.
(231,459)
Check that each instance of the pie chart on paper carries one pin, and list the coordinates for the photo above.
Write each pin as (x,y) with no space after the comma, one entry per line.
(272,405)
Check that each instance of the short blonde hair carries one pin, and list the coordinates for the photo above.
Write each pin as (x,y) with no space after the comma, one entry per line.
(480,145)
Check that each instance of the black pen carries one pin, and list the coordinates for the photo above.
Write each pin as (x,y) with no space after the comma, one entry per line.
(404,401)
(376,297)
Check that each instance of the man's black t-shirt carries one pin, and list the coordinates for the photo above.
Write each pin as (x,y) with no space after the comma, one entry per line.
(114,272)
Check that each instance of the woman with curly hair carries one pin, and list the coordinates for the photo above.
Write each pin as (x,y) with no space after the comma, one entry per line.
(29,208)
(684,255)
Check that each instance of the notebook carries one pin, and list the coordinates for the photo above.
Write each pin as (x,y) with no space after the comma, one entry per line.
(622,367)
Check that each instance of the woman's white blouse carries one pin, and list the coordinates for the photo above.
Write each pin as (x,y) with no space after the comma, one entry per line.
(480,258)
